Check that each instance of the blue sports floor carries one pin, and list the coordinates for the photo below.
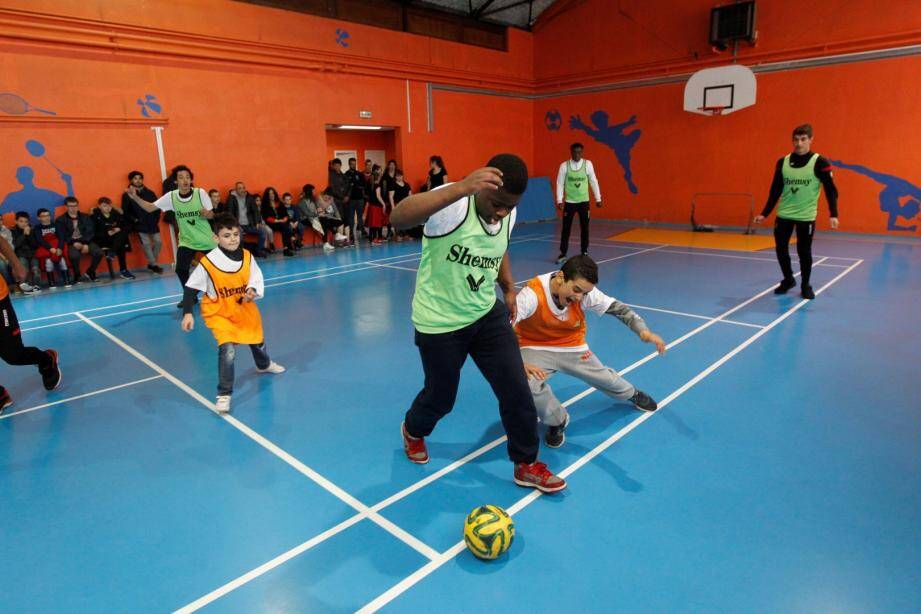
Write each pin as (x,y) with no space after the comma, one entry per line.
(781,474)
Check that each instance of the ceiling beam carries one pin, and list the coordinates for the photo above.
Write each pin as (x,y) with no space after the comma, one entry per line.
(500,9)
(479,12)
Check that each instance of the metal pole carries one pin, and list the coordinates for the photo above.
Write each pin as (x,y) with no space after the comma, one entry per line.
(158,132)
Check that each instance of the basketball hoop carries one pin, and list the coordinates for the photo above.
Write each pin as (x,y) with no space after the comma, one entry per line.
(716,110)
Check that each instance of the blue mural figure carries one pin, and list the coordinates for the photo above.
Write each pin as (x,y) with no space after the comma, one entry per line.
(614,137)
(30,198)
(342,37)
(149,104)
(890,199)
(553,120)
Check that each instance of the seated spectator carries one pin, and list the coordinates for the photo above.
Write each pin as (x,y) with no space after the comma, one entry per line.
(294,220)
(76,232)
(273,215)
(5,271)
(269,234)
(49,250)
(111,235)
(242,206)
(307,209)
(146,224)
(330,220)
(24,245)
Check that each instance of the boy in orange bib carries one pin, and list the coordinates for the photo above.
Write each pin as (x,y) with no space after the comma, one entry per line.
(550,325)
(230,281)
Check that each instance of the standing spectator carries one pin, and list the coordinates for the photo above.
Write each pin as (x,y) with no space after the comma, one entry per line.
(387,182)
(375,206)
(111,235)
(294,220)
(401,189)
(572,183)
(357,198)
(49,249)
(242,206)
(24,245)
(147,224)
(438,174)
(193,208)
(338,188)
(273,215)
(76,231)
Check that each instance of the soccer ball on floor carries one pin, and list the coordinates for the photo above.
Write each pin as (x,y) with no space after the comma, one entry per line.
(488,532)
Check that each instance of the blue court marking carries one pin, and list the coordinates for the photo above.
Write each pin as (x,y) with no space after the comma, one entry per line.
(353,370)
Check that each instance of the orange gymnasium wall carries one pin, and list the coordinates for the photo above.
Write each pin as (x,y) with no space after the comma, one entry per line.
(244,91)
(863,113)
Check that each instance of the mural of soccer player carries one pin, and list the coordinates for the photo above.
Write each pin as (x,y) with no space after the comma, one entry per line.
(612,136)
(899,197)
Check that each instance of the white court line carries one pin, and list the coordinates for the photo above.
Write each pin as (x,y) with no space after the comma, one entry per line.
(310,272)
(393,266)
(79,396)
(691,315)
(404,585)
(299,549)
(318,479)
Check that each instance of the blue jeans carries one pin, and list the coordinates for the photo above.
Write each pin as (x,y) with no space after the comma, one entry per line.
(225,355)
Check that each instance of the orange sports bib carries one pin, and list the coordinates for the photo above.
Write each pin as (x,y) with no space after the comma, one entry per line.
(230,320)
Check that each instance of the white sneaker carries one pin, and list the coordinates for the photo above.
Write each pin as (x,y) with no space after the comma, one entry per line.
(341,237)
(273,367)
(222,404)
(327,247)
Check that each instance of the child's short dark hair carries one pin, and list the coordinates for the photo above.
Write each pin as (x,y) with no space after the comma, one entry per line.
(41,211)
(805,129)
(213,191)
(104,200)
(71,199)
(20,214)
(134,174)
(288,194)
(514,172)
(224,220)
(399,173)
(183,167)
(580,266)
(576,145)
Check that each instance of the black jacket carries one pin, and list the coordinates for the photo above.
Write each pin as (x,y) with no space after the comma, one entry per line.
(65,228)
(142,221)
(103,225)
(356,181)
(230,206)
(23,244)
(338,186)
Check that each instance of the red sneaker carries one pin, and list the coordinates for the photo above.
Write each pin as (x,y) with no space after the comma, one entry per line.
(415,448)
(536,475)
(5,399)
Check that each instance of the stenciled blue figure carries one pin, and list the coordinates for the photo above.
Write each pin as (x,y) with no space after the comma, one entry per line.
(30,198)
(614,137)
(890,198)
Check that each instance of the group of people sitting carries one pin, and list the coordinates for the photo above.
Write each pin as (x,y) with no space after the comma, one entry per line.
(355,205)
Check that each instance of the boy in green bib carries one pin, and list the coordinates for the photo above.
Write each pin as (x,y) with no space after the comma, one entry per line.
(797,180)
(457,314)
(192,207)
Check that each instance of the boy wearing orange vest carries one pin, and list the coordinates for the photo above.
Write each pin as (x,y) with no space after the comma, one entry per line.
(551,333)
(230,281)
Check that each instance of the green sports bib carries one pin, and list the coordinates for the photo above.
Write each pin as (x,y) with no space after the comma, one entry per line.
(575,188)
(194,230)
(800,198)
(455,285)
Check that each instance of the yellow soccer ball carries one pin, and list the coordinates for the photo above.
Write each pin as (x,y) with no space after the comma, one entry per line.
(488,531)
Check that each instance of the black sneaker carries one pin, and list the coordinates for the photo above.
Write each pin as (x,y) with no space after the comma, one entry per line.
(126,274)
(785,284)
(806,292)
(154,269)
(51,377)
(556,435)
(5,399)
(288,252)
(561,259)
(643,401)
(85,278)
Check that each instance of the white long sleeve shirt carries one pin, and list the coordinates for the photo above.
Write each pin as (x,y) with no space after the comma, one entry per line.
(589,170)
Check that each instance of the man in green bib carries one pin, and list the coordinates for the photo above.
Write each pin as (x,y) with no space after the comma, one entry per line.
(572,182)
(457,314)
(192,207)
(798,178)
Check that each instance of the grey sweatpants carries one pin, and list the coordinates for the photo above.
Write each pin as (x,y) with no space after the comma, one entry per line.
(583,365)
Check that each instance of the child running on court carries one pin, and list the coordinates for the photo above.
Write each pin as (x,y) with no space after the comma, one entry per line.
(230,281)
(550,324)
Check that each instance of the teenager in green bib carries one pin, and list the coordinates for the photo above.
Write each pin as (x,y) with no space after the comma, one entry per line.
(457,314)
(192,207)
(798,178)
(572,183)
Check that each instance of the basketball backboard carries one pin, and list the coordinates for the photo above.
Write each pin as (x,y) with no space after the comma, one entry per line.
(728,88)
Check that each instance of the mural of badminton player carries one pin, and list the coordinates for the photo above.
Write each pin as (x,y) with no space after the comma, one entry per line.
(612,136)
(31,198)
(899,198)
